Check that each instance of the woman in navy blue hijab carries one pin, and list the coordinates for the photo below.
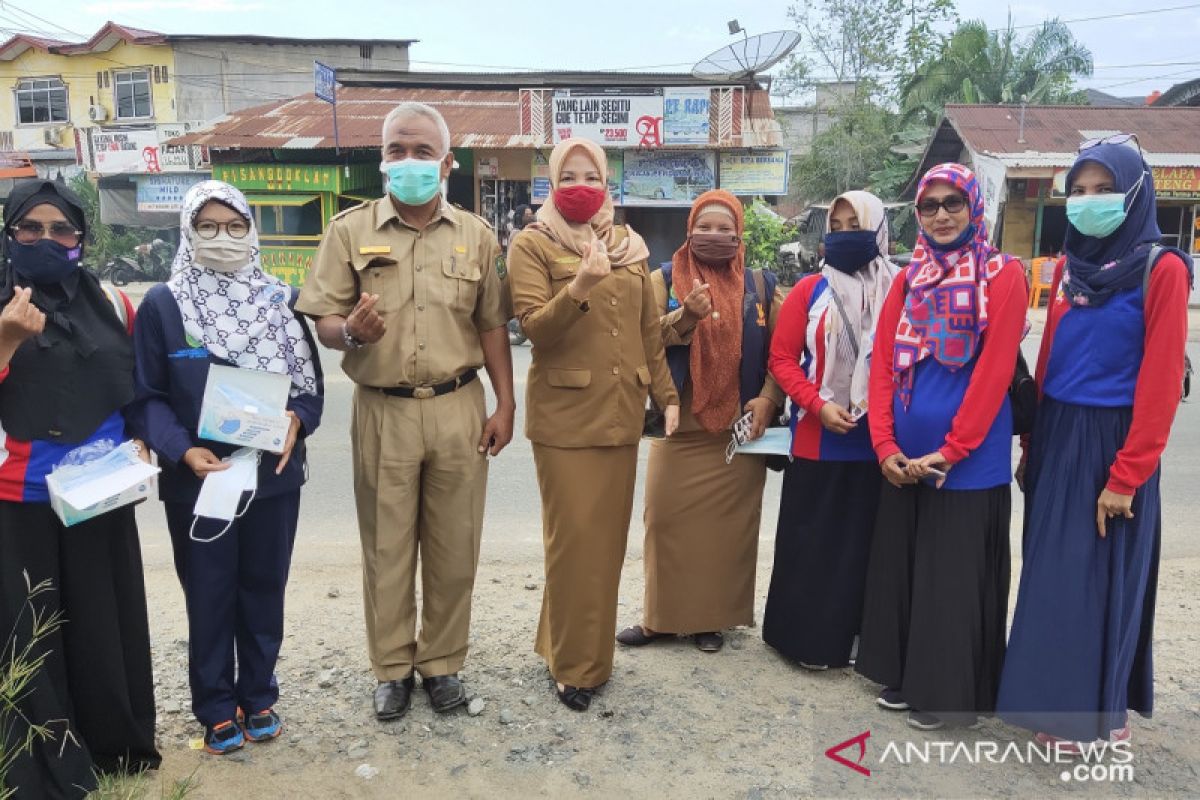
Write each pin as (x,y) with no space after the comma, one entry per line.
(1110,373)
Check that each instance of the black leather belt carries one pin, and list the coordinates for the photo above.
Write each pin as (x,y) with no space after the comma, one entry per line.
(426,392)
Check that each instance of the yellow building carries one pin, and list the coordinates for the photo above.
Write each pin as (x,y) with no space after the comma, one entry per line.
(121,75)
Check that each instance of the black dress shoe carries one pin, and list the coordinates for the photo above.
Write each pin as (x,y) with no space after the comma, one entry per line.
(575,698)
(392,698)
(445,692)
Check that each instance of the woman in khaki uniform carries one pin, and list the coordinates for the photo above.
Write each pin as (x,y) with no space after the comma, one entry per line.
(702,514)
(582,291)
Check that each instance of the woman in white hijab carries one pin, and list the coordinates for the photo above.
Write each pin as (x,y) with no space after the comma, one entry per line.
(820,356)
(219,307)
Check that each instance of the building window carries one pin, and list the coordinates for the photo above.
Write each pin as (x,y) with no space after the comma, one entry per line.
(41,100)
(131,90)
(99,80)
(166,76)
(364,51)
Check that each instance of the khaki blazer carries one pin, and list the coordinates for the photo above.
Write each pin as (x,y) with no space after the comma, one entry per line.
(593,364)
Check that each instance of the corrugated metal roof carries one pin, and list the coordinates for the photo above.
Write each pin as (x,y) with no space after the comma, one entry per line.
(995,130)
(477,118)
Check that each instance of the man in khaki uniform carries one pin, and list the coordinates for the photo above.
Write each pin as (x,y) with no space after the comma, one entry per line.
(406,286)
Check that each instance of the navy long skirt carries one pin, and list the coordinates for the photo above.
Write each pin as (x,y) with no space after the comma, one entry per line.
(1079,651)
(826,520)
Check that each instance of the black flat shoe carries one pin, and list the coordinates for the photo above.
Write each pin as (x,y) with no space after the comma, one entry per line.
(393,698)
(636,636)
(575,698)
(445,692)
(710,642)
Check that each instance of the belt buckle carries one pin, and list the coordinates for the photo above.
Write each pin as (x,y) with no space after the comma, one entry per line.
(423,392)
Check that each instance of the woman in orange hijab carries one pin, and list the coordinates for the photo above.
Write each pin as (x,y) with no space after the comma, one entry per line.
(581,290)
(702,513)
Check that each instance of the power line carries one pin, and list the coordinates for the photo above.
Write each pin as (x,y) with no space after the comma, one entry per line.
(23,12)
(1120,15)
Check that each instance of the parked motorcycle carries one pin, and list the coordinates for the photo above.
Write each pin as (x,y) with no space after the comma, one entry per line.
(149,263)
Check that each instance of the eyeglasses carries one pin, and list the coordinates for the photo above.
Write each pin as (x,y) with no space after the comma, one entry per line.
(953,204)
(1116,138)
(31,231)
(237,228)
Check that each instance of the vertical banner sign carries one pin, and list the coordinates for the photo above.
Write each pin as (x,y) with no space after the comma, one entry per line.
(610,117)
(685,116)
(325,88)
(990,172)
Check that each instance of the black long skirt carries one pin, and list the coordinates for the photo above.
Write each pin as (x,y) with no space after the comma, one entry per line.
(826,519)
(95,689)
(937,598)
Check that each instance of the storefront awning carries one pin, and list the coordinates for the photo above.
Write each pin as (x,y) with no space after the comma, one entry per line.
(281,199)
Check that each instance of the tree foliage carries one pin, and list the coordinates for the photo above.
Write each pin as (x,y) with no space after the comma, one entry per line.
(765,231)
(104,242)
(982,66)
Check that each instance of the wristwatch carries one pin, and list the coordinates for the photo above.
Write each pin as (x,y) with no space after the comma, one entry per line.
(349,340)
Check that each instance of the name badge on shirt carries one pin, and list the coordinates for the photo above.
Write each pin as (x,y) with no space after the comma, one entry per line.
(567,260)
(375,250)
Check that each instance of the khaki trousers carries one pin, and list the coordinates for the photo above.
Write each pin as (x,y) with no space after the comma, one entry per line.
(587,499)
(419,485)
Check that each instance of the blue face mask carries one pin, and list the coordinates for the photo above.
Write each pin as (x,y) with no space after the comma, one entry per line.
(412,181)
(959,242)
(43,262)
(1099,215)
(850,251)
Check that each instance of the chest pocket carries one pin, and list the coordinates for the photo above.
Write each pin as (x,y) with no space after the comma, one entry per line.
(379,275)
(563,272)
(460,281)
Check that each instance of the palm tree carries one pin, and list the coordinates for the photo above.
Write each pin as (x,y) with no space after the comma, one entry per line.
(982,66)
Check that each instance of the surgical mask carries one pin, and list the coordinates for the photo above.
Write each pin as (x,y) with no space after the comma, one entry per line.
(960,241)
(850,251)
(43,262)
(1099,215)
(221,492)
(714,249)
(222,253)
(413,181)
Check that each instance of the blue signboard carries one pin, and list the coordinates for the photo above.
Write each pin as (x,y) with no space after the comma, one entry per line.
(324,82)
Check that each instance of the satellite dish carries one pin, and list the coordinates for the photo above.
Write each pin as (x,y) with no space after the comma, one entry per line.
(743,59)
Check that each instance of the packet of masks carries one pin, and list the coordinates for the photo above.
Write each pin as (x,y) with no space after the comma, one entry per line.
(245,407)
(86,485)
(773,442)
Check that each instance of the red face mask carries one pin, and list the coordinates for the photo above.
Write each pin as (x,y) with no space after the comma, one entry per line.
(579,203)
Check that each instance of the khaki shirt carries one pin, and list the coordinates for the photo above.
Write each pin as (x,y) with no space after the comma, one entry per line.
(677,329)
(593,365)
(438,290)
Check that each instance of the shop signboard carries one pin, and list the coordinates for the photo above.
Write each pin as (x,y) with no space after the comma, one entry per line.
(609,117)
(1177,183)
(164,192)
(539,190)
(289,264)
(686,116)
(297,177)
(757,172)
(667,178)
(142,151)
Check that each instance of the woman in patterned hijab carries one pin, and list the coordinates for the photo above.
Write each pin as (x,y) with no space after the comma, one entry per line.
(219,307)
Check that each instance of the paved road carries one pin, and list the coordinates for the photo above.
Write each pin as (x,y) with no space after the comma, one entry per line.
(513,522)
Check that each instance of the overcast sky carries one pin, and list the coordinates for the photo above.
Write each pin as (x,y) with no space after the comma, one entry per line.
(1133,54)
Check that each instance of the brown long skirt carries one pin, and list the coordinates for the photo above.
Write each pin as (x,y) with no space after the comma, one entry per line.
(702,520)
(587,499)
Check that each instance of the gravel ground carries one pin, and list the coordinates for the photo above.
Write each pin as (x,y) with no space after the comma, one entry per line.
(673,722)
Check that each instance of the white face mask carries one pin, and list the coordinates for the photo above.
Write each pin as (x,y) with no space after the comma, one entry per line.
(222,253)
(221,492)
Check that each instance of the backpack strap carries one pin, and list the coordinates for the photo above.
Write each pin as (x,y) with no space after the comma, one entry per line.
(118,304)
(1151,259)
(760,289)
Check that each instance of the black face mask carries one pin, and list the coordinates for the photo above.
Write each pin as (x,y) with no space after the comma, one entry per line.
(850,251)
(43,262)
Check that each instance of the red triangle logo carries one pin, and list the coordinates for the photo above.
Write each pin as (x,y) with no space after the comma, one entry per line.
(860,740)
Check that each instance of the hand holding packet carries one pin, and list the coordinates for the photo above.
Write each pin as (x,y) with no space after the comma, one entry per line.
(245,407)
(81,491)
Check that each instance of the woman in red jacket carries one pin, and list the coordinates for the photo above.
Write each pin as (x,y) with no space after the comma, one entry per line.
(1110,371)
(820,355)
(941,424)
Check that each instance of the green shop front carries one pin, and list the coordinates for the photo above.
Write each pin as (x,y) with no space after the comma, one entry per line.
(292,205)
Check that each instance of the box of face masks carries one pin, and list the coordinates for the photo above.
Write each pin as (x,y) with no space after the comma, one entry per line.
(81,491)
(245,407)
